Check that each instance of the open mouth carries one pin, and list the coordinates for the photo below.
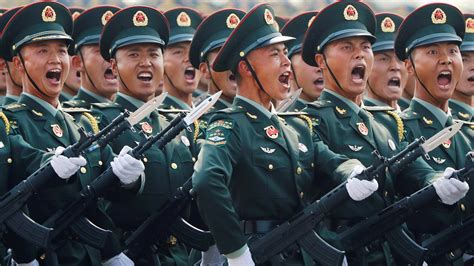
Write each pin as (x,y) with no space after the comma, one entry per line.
(444,78)
(285,79)
(394,82)
(145,76)
(78,74)
(358,74)
(190,73)
(470,79)
(54,75)
(319,82)
(232,77)
(108,74)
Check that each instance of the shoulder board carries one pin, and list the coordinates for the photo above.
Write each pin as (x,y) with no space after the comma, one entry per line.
(291,113)
(321,103)
(172,111)
(75,110)
(378,108)
(470,123)
(75,103)
(106,105)
(15,107)
(409,115)
(231,110)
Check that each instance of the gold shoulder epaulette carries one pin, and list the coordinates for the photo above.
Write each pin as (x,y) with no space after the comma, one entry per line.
(308,121)
(93,121)
(5,120)
(400,127)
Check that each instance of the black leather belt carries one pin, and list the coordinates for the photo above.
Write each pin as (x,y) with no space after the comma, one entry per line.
(250,227)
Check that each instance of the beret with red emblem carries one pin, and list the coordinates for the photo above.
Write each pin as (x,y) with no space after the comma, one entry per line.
(387,26)
(339,20)
(183,23)
(256,29)
(467,44)
(212,33)
(296,27)
(431,23)
(133,25)
(89,24)
(40,21)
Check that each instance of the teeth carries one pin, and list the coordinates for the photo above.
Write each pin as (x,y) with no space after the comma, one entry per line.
(189,68)
(445,72)
(144,75)
(55,70)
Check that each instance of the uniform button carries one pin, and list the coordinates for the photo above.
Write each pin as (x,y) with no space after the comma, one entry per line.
(270,166)
(9,160)
(299,170)
(83,170)
(145,159)
(312,164)
(463,207)
(174,166)
(385,193)
(101,163)
(451,254)
(301,195)
(194,159)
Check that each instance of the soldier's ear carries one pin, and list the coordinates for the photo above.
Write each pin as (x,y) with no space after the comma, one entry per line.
(77,63)
(243,69)
(320,61)
(2,65)
(409,66)
(204,70)
(113,65)
(17,63)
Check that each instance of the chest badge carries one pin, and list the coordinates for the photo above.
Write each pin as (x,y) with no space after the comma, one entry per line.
(363,128)
(391,144)
(302,147)
(271,132)
(146,127)
(267,150)
(439,160)
(57,131)
(447,143)
(355,147)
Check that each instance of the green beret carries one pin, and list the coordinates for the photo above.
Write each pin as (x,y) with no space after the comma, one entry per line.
(132,25)
(467,44)
(257,29)
(431,23)
(337,21)
(297,27)
(212,33)
(89,24)
(183,23)
(387,26)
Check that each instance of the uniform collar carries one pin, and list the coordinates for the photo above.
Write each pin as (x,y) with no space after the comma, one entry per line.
(181,105)
(98,98)
(375,102)
(465,106)
(13,97)
(354,107)
(258,106)
(47,106)
(137,103)
(439,114)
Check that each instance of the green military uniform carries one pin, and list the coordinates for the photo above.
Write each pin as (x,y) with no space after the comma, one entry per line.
(403,103)
(46,127)
(2,97)
(334,115)
(165,170)
(9,99)
(253,168)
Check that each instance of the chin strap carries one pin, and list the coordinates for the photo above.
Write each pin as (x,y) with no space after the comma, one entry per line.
(422,84)
(331,73)
(254,75)
(120,77)
(29,77)
(11,77)
(294,75)
(87,73)
(210,74)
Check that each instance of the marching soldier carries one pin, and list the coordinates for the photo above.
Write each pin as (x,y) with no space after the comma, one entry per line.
(254,171)
(180,77)
(389,75)
(133,42)
(35,40)
(310,78)
(435,60)
(344,52)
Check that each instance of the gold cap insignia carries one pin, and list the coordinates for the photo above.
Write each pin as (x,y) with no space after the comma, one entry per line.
(268,16)
(387,25)
(438,16)
(106,17)
(48,14)
(140,19)
(183,20)
(75,15)
(232,21)
(469,25)
(350,13)
(310,21)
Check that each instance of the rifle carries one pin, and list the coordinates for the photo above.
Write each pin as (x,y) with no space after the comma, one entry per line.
(72,215)
(299,228)
(12,202)
(388,222)
(457,235)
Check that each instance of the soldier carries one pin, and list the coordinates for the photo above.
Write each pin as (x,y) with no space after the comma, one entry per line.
(35,40)
(99,84)
(344,52)
(73,80)
(133,42)
(308,77)
(12,76)
(3,87)
(436,62)
(254,171)
(389,75)
(180,77)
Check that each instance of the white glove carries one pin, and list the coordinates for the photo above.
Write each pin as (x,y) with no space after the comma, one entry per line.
(65,167)
(243,260)
(31,263)
(450,190)
(212,257)
(360,189)
(119,260)
(127,168)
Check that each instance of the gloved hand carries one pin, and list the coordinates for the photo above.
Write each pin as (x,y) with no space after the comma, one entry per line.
(212,257)
(127,168)
(450,190)
(31,263)
(119,260)
(66,167)
(360,189)
(244,259)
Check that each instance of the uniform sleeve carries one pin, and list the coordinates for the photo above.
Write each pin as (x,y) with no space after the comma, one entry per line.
(211,179)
